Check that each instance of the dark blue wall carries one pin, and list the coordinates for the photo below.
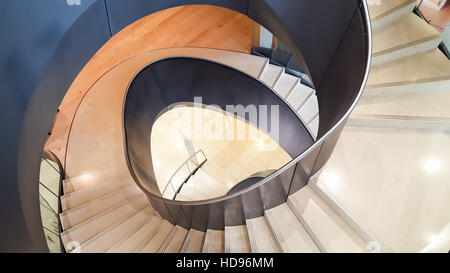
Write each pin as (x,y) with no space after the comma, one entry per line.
(154,90)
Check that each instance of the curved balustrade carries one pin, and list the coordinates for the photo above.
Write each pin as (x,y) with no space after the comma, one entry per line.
(178,179)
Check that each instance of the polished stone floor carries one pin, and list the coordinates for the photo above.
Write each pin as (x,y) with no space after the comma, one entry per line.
(394,183)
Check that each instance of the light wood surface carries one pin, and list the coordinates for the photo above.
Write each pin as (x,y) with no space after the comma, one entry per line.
(158,238)
(231,158)
(88,229)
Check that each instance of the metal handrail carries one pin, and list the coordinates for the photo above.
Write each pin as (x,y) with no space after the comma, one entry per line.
(191,172)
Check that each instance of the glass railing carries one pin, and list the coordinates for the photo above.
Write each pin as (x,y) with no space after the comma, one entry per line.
(50,178)
(182,174)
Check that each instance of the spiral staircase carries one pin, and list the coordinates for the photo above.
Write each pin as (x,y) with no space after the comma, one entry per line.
(109,202)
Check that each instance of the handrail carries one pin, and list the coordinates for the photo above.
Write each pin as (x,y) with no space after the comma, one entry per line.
(191,172)
(33,112)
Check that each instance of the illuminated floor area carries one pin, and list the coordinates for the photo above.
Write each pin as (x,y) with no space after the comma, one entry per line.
(395,183)
(234,149)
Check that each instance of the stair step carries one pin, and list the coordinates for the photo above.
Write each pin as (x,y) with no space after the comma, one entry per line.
(299,95)
(174,241)
(236,239)
(419,104)
(113,234)
(368,155)
(191,193)
(441,244)
(290,234)
(214,241)
(261,237)
(193,242)
(271,74)
(404,37)
(145,233)
(48,176)
(437,5)
(77,198)
(73,217)
(247,63)
(418,73)
(384,12)
(197,191)
(181,197)
(285,84)
(88,229)
(329,231)
(156,241)
(85,181)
